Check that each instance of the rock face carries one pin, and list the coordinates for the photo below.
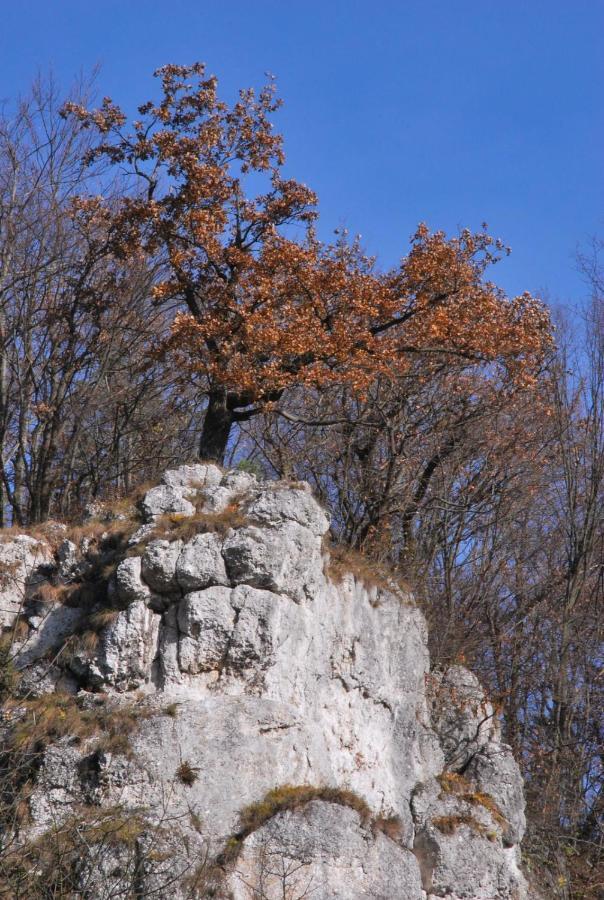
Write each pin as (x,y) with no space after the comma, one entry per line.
(242,668)
(22,562)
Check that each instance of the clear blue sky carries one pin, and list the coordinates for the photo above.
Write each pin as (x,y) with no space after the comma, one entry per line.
(451,112)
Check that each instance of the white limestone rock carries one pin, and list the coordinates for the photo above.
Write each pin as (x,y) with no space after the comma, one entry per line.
(286,560)
(165,499)
(48,633)
(193,477)
(469,860)
(129,584)
(173,495)
(200,564)
(158,565)
(239,482)
(205,621)
(22,561)
(275,675)
(495,772)
(325,851)
(462,716)
(277,505)
(126,650)
(69,559)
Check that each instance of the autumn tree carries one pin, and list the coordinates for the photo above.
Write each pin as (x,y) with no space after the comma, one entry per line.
(261,305)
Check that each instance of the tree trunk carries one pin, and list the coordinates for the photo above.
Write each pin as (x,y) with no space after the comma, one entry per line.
(216,428)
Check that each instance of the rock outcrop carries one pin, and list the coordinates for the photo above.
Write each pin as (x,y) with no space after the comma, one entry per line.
(264,728)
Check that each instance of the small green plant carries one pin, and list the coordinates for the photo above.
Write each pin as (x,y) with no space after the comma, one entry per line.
(251,467)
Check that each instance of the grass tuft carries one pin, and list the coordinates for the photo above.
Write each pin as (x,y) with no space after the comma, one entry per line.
(187,774)
(341,560)
(453,783)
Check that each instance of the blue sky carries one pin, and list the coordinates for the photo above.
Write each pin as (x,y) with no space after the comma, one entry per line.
(451,112)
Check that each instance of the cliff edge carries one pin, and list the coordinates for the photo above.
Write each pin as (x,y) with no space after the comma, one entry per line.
(200,704)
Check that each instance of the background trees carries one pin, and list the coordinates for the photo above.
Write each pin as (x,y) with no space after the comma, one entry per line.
(82,402)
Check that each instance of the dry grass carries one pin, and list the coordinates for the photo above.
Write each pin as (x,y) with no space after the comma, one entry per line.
(48,865)
(49,532)
(9,572)
(453,783)
(478,798)
(102,619)
(187,774)
(177,526)
(86,639)
(391,826)
(449,824)
(106,548)
(287,797)
(342,560)
(20,630)
(54,593)
(9,677)
(42,721)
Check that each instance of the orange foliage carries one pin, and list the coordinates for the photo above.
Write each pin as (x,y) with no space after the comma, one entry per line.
(261,308)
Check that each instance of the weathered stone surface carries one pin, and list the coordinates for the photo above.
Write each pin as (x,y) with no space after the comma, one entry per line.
(466,864)
(49,631)
(287,560)
(239,482)
(200,564)
(205,620)
(158,565)
(461,715)
(129,583)
(281,504)
(141,534)
(68,558)
(495,772)
(164,499)
(174,494)
(258,671)
(126,650)
(21,560)
(323,850)
(193,477)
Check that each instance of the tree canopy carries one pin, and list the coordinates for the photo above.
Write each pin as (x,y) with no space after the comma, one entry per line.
(261,304)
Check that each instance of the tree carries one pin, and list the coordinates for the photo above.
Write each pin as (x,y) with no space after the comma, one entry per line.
(84,404)
(260,309)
